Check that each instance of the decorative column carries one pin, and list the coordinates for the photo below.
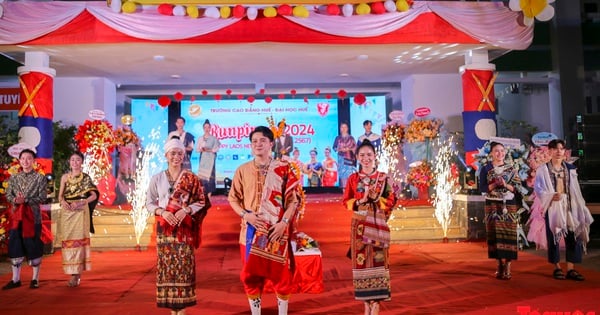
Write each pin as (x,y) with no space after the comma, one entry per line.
(479,115)
(36,84)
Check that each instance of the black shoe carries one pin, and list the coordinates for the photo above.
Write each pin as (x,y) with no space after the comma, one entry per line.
(574,275)
(11,285)
(34,284)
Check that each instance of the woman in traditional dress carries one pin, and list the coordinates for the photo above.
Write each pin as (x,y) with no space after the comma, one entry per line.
(314,170)
(345,146)
(559,200)
(208,145)
(78,197)
(331,169)
(177,199)
(369,194)
(499,182)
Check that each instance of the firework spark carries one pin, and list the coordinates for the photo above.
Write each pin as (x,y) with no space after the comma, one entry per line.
(445,183)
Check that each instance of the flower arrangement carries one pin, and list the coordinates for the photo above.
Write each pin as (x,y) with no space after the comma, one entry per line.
(419,130)
(125,136)
(420,175)
(278,129)
(13,168)
(95,135)
(301,197)
(393,133)
(517,157)
(304,242)
(4,232)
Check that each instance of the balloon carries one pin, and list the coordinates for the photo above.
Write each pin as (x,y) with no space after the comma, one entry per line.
(284,9)
(270,12)
(179,10)
(115,6)
(300,11)
(262,91)
(378,8)
(306,99)
(228,92)
(363,9)
(390,6)
(333,9)
(129,7)
(164,101)
(342,93)
(252,13)
(328,96)
(240,97)
(317,92)
(192,98)
(212,12)
(239,11)
(546,14)
(225,12)
(127,120)
(250,99)
(204,92)
(347,9)
(178,96)
(218,97)
(268,100)
(293,92)
(402,5)
(165,9)
(281,96)
(193,12)
(322,9)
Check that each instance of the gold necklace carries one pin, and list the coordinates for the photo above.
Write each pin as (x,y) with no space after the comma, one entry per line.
(73,179)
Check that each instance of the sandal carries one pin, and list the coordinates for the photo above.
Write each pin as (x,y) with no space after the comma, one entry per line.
(74,282)
(558,274)
(574,275)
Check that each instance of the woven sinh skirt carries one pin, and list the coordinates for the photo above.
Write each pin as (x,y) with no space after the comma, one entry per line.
(501,230)
(175,273)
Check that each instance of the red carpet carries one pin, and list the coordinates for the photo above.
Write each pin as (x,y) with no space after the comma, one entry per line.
(427,278)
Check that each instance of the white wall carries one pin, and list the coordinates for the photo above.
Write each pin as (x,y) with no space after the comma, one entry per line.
(75,97)
(442,93)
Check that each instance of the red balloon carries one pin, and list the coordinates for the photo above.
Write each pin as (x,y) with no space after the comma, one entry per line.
(178,96)
(333,9)
(240,97)
(204,92)
(262,91)
(239,11)
(284,9)
(164,101)
(293,92)
(192,98)
(250,99)
(218,97)
(317,92)
(378,8)
(228,91)
(165,9)
(306,99)
(359,99)
(281,96)
(327,96)
(268,100)
(342,93)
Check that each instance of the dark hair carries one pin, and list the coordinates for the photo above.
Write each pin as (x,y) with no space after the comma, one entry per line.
(282,121)
(366,143)
(264,130)
(27,151)
(553,144)
(366,122)
(178,118)
(494,143)
(206,122)
(314,150)
(175,137)
(79,154)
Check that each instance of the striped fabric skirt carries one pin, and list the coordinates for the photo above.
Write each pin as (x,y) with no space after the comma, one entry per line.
(501,229)
(175,274)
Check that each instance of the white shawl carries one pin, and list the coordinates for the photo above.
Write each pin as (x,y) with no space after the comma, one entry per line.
(578,220)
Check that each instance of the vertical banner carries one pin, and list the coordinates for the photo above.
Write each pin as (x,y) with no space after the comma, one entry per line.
(35,115)
(479,115)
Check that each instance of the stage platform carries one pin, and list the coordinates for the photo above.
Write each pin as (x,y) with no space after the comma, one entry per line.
(427,277)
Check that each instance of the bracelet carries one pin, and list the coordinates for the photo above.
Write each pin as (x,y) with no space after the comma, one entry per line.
(285,220)
(242,214)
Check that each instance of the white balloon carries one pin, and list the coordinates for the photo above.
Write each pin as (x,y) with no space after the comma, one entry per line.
(390,6)
(546,14)
(527,21)
(515,5)
(179,10)
(1,11)
(212,12)
(347,9)
(322,9)
(252,13)
(115,6)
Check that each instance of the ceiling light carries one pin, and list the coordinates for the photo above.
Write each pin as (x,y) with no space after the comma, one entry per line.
(362,57)
(344,75)
(175,76)
(158,57)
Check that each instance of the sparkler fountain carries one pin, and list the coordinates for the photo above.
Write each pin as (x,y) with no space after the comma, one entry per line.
(445,184)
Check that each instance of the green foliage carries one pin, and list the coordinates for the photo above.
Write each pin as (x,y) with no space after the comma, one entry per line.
(9,135)
(64,147)
(517,129)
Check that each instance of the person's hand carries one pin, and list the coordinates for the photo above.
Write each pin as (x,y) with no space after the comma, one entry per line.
(276,231)
(20,198)
(65,205)
(255,220)
(556,197)
(180,215)
(170,218)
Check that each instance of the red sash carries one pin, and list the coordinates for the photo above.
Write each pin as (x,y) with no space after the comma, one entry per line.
(24,213)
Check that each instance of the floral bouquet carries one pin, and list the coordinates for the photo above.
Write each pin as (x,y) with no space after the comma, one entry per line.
(304,242)
(4,227)
(96,139)
(278,129)
(420,175)
(125,136)
(517,157)
(393,133)
(419,130)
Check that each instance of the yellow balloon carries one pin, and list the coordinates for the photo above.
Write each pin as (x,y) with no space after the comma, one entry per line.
(531,8)
(127,119)
(363,8)
(129,7)
(402,5)
(225,12)
(300,11)
(270,12)
(192,11)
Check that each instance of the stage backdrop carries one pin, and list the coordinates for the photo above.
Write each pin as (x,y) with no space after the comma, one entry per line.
(313,123)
